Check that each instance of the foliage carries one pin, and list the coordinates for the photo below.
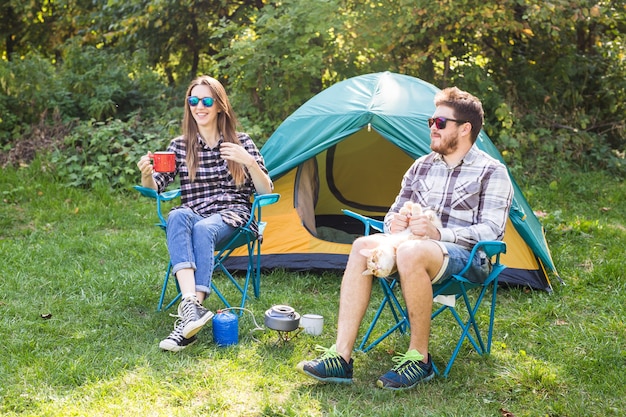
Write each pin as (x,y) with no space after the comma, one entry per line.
(545,71)
(86,86)
(179,38)
(99,90)
(549,73)
(83,271)
(42,27)
(565,96)
(23,97)
(107,152)
(294,39)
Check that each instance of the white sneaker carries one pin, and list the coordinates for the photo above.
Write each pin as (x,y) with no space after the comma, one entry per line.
(193,315)
(175,342)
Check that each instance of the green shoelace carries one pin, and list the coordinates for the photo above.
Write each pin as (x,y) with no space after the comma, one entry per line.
(327,353)
(411,355)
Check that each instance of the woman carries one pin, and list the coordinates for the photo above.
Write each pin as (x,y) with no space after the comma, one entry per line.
(219,170)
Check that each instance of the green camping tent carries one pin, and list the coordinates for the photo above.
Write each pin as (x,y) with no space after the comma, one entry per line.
(348,147)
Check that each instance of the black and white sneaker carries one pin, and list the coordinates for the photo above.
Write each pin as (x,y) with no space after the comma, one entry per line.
(193,315)
(175,342)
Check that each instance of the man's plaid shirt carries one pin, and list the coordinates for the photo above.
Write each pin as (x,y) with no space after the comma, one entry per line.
(213,190)
(472,199)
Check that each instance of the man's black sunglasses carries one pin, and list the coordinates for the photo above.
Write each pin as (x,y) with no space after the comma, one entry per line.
(440,122)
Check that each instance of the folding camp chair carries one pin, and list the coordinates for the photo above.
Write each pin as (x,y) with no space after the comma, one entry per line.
(243,236)
(457,287)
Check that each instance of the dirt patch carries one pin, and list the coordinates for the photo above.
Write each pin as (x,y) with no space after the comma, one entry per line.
(47,135)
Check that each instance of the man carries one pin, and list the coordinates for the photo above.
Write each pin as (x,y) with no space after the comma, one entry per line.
(471,192)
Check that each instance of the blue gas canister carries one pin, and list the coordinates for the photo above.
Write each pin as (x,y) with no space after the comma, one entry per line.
(225,328)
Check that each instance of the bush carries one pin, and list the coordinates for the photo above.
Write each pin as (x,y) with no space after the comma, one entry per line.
(107,152)
(99,90)
(544,138)
(28,87)
(83,85)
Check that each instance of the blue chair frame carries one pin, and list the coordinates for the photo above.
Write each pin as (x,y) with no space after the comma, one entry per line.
(457,285)
(243,236)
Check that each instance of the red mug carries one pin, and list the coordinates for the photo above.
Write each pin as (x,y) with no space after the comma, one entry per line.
(164,161)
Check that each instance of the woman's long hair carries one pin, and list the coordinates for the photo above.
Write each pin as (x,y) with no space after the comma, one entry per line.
(226,123)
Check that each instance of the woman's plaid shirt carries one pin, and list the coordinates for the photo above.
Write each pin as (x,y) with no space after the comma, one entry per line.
(214,190)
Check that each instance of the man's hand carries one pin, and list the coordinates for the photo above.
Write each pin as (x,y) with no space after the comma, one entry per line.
(399,223)
(422,227)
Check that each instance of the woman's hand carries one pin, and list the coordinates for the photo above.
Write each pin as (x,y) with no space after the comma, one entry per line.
(145,166)
(239,154)
(236,153)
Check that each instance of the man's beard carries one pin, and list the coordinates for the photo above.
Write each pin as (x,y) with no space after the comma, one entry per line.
(446,146)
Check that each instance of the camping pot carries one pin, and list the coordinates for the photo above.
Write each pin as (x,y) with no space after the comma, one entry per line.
(282,318)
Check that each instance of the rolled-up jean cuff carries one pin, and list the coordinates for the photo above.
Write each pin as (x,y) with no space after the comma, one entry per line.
(183,265)
(204,289)
(187,265)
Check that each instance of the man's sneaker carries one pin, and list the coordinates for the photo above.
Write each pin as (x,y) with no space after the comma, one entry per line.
(175,342)
(193,316)
(330,367)
(409,371)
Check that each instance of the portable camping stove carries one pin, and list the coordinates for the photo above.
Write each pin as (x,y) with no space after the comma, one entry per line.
(285,320)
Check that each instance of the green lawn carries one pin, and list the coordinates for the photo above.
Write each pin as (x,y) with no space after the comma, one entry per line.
(81,276)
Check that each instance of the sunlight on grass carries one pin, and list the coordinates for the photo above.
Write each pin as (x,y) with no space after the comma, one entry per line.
(80,329)
(527,373)
(216,387)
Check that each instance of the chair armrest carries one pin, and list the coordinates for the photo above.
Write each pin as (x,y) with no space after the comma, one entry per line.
(265,199)
(368,222)
(261,200)
(164,196)
(491,248)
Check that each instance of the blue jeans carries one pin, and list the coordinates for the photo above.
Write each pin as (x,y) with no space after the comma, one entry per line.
(191,241)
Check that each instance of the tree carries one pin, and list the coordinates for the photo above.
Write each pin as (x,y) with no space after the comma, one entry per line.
(280,60)
(540,67)
(42,26)
(543,69)
(179,37)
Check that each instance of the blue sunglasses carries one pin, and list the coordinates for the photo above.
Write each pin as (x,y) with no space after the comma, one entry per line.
(206,101)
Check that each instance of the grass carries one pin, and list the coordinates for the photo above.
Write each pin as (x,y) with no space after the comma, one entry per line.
(81,276)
